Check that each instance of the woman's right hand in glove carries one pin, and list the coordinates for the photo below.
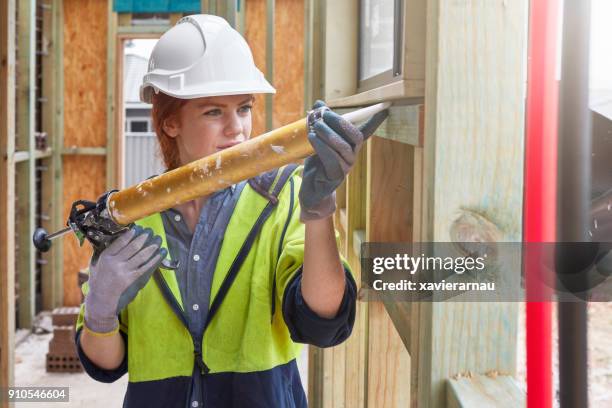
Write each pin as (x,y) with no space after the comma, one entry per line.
(118,273)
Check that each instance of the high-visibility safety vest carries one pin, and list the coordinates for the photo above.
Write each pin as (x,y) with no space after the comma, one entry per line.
(245,332)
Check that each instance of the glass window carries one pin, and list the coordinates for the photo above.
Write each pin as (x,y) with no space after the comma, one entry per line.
(376,39)
(139,126)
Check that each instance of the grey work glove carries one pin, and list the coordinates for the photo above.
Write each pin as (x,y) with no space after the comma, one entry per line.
(118,273)
(336,142)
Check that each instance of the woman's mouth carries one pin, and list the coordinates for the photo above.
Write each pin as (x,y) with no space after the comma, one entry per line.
(228,145)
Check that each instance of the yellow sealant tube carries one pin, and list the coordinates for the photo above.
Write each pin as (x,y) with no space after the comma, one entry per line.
(212,173)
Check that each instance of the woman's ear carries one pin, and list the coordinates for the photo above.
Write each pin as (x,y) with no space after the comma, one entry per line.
(171,126)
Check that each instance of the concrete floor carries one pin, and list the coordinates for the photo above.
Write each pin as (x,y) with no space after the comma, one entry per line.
(30,355)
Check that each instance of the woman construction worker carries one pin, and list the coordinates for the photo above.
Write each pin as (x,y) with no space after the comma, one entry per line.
(257,265)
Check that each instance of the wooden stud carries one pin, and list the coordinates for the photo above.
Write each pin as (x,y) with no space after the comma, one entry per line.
(315,376)
(26,177)
(57,146)
(7,195)
(389,192)
(124,19)
(472,158)
(49,65)
(341,45)
(174,18)
(241,16)
(308,52)
(204,6)
(356,345)
(113,144)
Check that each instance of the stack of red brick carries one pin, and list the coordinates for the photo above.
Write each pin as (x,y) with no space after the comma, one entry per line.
(62,356)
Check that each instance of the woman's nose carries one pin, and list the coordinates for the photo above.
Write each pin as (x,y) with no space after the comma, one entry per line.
(233,127)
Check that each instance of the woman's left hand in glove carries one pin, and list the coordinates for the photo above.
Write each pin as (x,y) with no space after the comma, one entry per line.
(336,142)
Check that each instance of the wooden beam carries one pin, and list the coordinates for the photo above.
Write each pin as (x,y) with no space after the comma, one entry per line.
(26,177)
(84,151)
(341,47)
(240,16)
(472,159)
(406,91)
(57,145)
(124,19)
(486,391)
(20,156)
(50,296)
(389,192)
(7,194)
(113,144)
(174,18)
(357,345)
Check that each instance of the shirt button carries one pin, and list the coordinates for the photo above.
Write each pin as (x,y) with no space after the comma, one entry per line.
(194,404)
(195,307)
(177,218)
(196,257)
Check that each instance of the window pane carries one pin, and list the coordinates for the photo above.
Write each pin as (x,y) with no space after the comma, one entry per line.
(376,37)
(139,126)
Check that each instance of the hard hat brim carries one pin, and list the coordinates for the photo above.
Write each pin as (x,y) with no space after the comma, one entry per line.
(147,91)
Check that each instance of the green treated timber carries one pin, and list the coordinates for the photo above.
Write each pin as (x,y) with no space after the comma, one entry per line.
(25,170)
(111,75)
(230,11)
(21,155)
(87,151)
(403,125)
(57,250)
(51,298)
(484,391)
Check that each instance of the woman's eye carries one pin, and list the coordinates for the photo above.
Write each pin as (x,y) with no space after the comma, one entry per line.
(213,112)
(246,108)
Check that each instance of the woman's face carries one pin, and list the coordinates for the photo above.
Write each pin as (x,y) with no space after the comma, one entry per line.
(208,125)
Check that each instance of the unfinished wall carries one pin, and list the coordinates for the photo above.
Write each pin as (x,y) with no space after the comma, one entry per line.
(255,34)
(288,59)
(288,62)
(85,56)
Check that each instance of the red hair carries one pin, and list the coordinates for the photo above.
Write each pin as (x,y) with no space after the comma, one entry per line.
(166,107)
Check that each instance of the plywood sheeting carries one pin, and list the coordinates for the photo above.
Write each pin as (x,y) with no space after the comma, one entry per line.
(255,34)
(83,179)
(288,62)
(7,193)
(288,59)
(85,119)
(85,29)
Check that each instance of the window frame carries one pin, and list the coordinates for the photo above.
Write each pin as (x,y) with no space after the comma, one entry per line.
(395,73)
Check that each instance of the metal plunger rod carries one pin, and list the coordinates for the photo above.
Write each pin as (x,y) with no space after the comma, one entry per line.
(222,169)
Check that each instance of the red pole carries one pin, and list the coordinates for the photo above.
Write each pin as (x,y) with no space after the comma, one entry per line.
(540,192)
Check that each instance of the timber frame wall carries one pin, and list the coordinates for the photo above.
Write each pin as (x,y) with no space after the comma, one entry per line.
(450,154)
(454,108)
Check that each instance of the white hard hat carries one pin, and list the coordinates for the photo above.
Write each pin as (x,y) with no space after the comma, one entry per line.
(202,55)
